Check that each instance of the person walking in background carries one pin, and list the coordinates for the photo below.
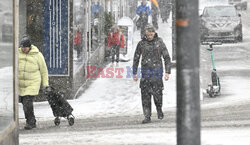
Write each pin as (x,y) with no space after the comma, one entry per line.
(165,9)
(32,72)
(155,13)
(78,42)
(143,11)
(114,43)
(152,49)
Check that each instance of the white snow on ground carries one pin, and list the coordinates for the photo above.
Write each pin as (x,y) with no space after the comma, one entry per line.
(159,136)
(225,136)
(116,96)
(235,90)
(150,136)
(121,96)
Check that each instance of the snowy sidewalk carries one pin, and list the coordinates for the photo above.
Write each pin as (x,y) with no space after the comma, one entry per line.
(142,136)
(108,97)
(115,96)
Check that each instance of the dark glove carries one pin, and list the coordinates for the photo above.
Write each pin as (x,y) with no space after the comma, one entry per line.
(47,89)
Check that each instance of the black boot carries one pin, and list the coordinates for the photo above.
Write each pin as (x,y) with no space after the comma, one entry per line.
(146,120)
(29,126)
(160,113)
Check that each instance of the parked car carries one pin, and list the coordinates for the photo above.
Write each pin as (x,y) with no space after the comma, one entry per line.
(239,4)
(7,27)
(221,23)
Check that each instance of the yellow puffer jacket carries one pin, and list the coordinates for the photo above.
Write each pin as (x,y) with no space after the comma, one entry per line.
(32,71)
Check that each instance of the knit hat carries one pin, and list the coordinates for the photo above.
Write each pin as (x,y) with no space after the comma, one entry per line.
(150,28)
(25,42)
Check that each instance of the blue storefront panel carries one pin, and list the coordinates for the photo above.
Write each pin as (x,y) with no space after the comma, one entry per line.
(56,36)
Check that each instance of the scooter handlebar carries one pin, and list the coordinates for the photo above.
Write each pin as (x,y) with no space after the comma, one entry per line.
(211,43)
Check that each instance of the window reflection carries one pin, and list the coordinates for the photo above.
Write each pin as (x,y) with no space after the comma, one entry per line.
(79,31)
(96,24)
(6,65)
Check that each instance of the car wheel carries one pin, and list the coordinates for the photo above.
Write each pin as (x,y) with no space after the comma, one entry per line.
(240,38)
(238,35)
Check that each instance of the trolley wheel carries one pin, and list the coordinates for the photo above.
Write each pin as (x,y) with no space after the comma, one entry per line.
(71,120)
(57,121)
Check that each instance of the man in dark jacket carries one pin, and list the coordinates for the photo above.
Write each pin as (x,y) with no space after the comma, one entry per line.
(152,49)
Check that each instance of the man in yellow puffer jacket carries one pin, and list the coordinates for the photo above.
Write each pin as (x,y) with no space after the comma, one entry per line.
(32,72)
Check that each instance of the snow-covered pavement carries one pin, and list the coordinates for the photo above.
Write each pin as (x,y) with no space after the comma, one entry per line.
(115,96)
(143,136)
(111,97)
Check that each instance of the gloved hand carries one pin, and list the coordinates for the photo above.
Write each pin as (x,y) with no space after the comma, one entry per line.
(47,89)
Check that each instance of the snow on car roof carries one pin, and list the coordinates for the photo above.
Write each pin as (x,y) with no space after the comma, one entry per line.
(211,4)
(219,6)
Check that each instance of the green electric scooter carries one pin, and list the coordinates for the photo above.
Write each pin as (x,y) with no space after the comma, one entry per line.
(214,88)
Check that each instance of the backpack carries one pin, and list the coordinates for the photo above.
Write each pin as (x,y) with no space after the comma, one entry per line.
(144,13)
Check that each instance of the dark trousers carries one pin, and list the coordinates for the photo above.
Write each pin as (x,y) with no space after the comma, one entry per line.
(78,50)
(115,51)
(28,109)
(143,25)
(148,89)
(155,21)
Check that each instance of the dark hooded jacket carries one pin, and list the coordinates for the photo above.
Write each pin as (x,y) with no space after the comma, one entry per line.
(152,53)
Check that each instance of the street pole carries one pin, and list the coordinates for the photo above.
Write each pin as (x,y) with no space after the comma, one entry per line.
(121,9)
(111,7)
(173,9)
(188,93)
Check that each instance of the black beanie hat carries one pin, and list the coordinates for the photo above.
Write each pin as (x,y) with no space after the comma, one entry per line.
(25,42)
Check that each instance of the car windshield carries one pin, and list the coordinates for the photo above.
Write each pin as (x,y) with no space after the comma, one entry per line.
(219,12)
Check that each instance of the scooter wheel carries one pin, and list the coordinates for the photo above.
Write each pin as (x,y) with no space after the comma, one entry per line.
(57,121)
(210,92)
(211,95)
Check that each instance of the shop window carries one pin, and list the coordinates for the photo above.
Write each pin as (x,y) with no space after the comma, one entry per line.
(96,25)
(6,66)
(79,31)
